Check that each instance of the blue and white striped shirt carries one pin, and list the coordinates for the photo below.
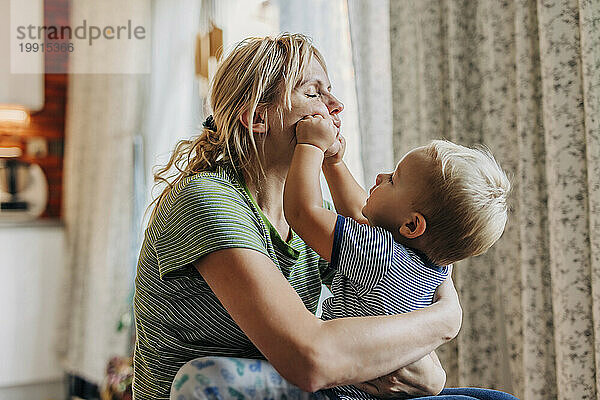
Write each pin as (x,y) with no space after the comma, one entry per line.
(375,275)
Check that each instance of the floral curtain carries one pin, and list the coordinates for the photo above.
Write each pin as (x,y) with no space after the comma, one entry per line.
(522,77)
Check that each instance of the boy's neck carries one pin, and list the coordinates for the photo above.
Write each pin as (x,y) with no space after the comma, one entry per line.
(416,244)
(406,242)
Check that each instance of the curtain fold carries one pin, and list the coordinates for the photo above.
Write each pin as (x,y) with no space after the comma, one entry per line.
(103,116)
(568,213)
(539,364)
(589,17)
(522,78)
(174,107)
(327,23)
(370,35)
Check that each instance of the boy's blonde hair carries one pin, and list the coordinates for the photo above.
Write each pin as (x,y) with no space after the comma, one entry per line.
(258,74)
(466,204)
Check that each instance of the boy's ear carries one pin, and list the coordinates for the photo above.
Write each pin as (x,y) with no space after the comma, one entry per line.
(414,227)
(259,123)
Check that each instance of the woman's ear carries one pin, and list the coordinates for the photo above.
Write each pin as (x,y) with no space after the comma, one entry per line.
(259,122)
(414,227)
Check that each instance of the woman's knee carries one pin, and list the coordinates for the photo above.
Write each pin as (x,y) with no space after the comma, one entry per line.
(231,378)
(446,397)
(479,394)
(199,379)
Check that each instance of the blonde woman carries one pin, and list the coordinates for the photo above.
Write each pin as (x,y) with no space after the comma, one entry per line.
(221,274)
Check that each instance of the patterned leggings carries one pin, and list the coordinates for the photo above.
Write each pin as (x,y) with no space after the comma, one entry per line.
(220,378)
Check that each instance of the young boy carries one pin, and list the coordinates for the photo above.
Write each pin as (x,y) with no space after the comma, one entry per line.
(392,248)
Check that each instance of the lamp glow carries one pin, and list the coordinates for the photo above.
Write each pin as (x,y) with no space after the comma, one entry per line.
(14,115)
(10,152)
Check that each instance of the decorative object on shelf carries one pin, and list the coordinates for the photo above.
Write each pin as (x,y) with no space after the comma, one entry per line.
(23,187)
(119,375)
(37,147)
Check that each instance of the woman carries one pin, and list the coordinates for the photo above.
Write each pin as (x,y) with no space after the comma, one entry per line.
(221,273)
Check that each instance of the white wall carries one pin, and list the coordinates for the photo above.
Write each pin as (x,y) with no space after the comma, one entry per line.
(31,266)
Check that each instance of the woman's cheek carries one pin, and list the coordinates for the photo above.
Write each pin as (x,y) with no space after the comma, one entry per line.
(319,108)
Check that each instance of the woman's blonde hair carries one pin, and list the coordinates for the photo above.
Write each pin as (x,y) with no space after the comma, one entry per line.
(257,75)
(466,204)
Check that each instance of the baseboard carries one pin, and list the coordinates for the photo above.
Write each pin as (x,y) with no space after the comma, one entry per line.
(55,390)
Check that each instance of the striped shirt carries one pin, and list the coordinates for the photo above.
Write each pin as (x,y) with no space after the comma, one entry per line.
(375,275)
(178,317)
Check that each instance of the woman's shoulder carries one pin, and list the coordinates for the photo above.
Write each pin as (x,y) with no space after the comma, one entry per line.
(221,177)
(220,185)
(216,194)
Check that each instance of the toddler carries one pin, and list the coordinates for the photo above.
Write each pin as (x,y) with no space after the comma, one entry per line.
(391,249)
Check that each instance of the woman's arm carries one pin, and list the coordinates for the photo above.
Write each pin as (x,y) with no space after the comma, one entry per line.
(315,354)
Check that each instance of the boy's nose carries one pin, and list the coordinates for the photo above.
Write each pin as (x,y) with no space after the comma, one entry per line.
(379,179)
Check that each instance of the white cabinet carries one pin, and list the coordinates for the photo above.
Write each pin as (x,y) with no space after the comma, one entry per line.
(31,267)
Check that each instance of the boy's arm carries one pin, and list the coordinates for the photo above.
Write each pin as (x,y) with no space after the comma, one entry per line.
(348,196)
(303,201)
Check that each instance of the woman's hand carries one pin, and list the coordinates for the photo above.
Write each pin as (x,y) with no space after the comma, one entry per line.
(335,152)
(424,377)
(447,296)
(317,131)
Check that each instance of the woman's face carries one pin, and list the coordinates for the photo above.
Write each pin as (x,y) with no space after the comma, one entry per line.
(312,96)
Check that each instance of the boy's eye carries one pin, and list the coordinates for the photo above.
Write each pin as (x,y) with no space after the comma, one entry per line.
(312,95)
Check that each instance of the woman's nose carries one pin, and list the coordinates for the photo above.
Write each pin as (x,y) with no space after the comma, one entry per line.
(379,179)
(334,105)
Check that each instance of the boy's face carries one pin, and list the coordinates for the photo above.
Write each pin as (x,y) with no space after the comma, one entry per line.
(395,195)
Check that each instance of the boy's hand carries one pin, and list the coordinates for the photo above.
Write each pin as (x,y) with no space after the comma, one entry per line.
(317,131)
(335,152)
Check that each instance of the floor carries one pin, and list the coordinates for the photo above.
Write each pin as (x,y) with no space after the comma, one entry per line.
(41,391)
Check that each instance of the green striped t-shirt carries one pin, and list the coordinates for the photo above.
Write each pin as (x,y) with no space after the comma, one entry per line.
(178,318)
